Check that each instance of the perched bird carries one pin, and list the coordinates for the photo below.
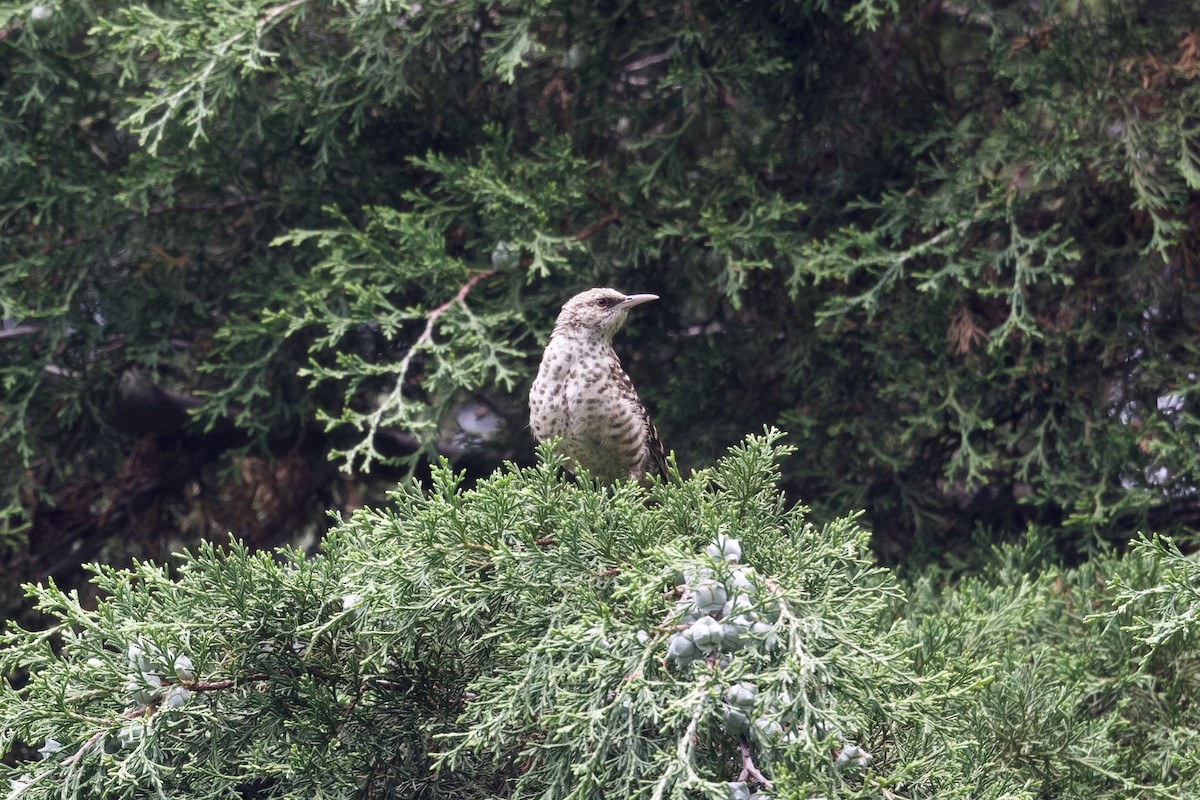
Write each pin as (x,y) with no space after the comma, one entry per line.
(582,394)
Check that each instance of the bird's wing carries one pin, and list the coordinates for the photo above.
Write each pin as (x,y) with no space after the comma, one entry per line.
(656,454)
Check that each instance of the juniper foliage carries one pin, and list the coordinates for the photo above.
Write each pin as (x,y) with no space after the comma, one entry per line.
(515,639)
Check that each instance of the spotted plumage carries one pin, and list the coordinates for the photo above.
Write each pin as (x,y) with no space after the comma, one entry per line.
(582,394)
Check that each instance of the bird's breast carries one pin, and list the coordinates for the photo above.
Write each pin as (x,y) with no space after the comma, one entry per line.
(589,401)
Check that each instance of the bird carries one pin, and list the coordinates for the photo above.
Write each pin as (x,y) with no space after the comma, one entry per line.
(582,395)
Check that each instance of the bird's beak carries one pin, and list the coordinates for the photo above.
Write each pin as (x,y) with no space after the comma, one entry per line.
(635,300)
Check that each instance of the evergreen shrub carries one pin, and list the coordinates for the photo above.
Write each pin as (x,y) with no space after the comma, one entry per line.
(535,636)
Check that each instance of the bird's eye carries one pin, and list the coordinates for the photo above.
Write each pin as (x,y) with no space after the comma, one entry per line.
(603,302)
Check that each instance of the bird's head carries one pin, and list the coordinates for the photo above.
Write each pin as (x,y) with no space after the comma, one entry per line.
(597,312)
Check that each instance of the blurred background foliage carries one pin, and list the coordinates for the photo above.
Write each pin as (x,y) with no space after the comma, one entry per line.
(257,260)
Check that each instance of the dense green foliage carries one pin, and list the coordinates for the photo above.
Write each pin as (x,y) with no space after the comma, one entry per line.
(252,254)
(515,640)
(950,246)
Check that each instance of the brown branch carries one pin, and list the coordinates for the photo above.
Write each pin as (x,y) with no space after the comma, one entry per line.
(459,296)
(227,683)
(597,226)
(230,683)
(395,399)
(591,230)
(748,768)
(133,713)
(21,330)
(71,759)
(646,61)
(432,317)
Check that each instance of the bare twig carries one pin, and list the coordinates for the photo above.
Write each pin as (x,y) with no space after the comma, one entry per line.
(591,230)
(132,713)
(459,296)
(432,317)
(227,683)
(749,771)
(20,330)
(595,227)
(71,759)
(646,61)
